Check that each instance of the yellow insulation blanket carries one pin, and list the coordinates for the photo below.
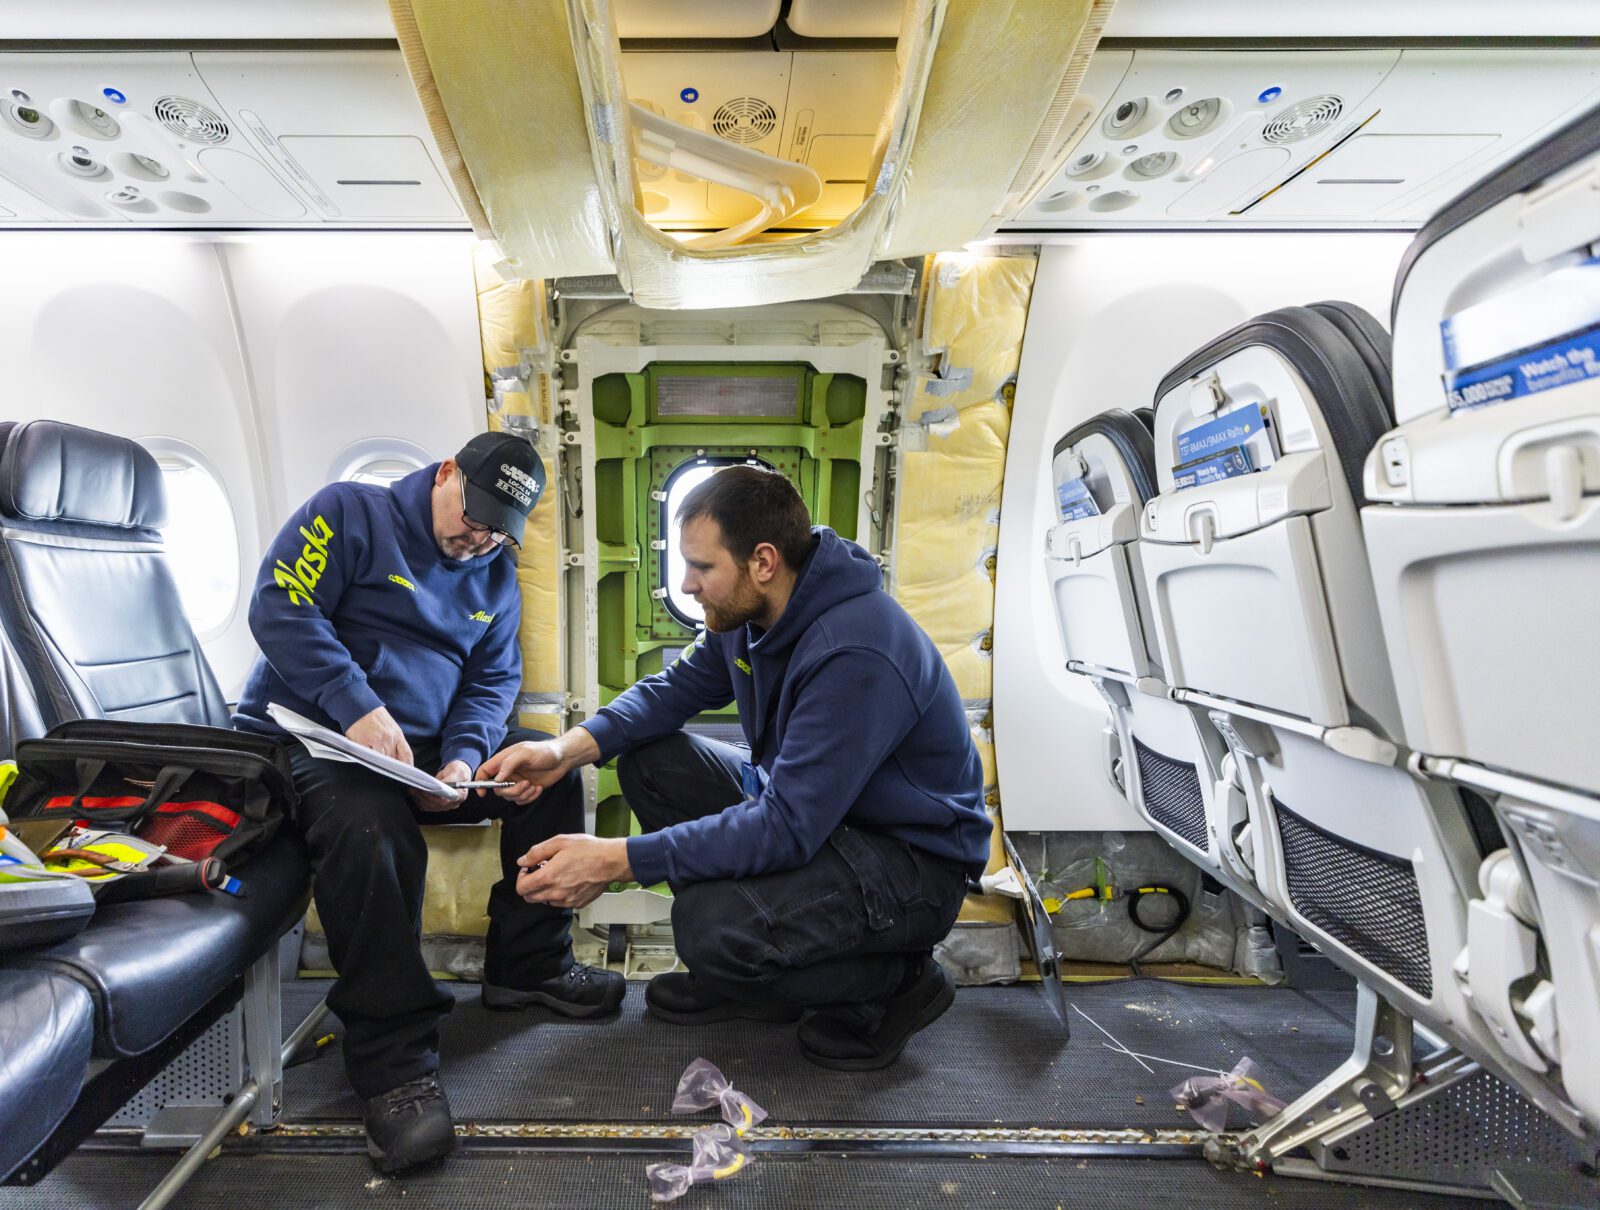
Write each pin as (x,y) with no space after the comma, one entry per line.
(948,499)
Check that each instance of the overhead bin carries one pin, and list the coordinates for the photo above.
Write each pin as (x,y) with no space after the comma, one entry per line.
(528,105)
(1483,531)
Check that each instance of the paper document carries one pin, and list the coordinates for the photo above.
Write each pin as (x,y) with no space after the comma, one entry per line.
(330,745)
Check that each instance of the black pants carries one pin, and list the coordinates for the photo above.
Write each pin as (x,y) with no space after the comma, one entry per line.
(368,859)
(837,934)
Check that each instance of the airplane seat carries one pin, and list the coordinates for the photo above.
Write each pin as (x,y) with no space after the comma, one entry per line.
(89,600)
(1483,534)
(92,612)
(1169,765)
(1265,616)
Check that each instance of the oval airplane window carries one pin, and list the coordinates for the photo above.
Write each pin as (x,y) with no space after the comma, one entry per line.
(380,461)
(202,542)
(381,471)
(683,480)
(678,485)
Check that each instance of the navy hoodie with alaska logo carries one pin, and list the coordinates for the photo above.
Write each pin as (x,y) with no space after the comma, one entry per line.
(355,607)
(854,715)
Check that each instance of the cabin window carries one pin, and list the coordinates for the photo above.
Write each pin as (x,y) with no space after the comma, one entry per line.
(380,461)
(202,542)
(382,472)
(679,484)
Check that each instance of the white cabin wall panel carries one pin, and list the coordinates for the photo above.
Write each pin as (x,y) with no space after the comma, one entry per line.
(355,337)
(133,335)
(1109,317)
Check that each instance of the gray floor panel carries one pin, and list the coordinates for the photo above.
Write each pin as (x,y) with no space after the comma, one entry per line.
(992,1060)
(583,1182)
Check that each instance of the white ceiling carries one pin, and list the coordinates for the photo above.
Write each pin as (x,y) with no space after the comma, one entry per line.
(169,20)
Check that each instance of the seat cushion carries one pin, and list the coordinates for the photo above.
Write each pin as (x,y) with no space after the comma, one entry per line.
(46,1033)
(153,964)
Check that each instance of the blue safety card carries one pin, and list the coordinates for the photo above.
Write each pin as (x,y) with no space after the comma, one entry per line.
(1572,358)
(751,776)
(1074,501)
(1221,433)
(1214,469)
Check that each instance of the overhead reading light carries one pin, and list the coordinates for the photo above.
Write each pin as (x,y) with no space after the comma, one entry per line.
(1236,137)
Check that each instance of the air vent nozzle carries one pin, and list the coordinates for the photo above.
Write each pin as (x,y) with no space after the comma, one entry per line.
(1303,119)
(744,120)
(191,120)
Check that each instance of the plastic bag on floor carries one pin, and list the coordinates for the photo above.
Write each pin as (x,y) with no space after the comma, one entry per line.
(1206,1097)
(718,1154)
(702,1086)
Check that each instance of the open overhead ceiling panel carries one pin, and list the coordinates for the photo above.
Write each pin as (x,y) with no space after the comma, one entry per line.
(557,147)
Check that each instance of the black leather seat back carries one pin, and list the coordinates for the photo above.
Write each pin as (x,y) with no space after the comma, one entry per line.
(88,599)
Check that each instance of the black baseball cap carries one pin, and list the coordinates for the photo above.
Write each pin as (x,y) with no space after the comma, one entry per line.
(503,478)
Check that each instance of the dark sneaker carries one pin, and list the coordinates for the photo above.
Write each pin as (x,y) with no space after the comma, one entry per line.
(832,1041)
(582,991)
(679,998)
(409,1125)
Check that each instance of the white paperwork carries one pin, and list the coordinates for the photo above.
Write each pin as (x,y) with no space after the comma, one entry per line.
(330,745)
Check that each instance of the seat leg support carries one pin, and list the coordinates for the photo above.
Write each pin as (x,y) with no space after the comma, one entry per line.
(1368,1085)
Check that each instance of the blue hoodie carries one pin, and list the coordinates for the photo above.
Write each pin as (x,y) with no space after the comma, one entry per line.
(854,715)
(355,607)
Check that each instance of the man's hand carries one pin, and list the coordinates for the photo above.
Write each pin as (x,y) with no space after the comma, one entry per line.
(456,770)
(536,765)
(570,871)
(381,733)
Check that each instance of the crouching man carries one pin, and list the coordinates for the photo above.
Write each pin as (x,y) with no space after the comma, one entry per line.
(813,870)
(391,614)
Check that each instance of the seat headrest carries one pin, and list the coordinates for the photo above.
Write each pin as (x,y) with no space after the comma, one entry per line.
(51,471)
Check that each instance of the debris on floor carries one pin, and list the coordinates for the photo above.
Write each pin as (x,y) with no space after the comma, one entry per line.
(719,1150)
(703,1086)
(1207,1097)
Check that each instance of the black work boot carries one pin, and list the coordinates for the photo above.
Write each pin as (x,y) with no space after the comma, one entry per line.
(835,1041)
(681,999)
(581,991)
(409,1125)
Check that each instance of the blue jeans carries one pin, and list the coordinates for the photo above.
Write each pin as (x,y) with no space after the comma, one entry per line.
(838,934)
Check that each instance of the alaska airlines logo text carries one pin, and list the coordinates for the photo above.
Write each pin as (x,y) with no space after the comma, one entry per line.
(301,579)
(403,582)
(741,666)
(480,616)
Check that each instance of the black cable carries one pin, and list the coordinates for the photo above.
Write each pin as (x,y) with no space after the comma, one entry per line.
(1135,897)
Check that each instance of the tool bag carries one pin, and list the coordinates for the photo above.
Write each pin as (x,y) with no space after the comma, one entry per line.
(199,792)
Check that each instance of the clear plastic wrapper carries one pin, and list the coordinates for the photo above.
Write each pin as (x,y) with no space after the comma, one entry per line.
(718,1154)
(1207,1097)
(703,1086)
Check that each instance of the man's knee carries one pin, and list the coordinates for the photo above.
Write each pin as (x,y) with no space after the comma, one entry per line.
(637,769)
(361,822)
(719,935)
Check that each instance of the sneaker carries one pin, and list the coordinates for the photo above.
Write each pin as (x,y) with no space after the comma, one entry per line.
(409,1125)
(833,1042)
(679,998)
(580,991)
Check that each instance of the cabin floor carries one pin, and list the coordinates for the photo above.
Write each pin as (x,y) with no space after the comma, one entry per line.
(990,1105)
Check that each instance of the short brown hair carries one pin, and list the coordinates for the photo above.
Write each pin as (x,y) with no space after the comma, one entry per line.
(752,505)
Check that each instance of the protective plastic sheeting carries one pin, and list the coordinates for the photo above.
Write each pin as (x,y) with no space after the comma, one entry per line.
(530,99)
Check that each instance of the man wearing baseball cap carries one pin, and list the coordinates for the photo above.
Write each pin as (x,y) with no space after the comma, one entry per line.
(390,614)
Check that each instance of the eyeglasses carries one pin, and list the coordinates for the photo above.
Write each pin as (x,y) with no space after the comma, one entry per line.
(498,536)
